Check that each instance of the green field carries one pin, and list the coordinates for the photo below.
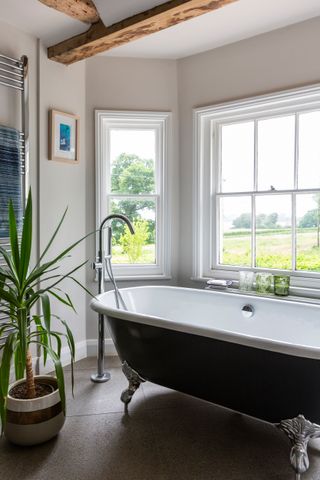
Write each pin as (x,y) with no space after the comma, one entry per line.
(273,249)
(147,257)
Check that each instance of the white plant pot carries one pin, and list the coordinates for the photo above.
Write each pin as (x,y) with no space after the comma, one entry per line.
(36,420)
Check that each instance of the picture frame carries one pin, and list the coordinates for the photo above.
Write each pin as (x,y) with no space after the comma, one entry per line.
(64,137)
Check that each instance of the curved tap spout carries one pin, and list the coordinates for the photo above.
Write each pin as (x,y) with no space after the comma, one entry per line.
(118,216)
(113,216)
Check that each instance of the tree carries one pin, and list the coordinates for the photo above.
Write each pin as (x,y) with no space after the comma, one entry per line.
(132,244)
(312,218)
(243,221)
(262,221)
(309,219)
(271,221)
(267,221)
(132,175)
(316,198)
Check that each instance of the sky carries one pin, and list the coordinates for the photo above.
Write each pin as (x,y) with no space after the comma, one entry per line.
(139,142)
(275,152)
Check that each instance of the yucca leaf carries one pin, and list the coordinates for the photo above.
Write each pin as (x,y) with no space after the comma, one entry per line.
(9,297)
(70,338)
(11,273)
(14,237)
(57,336)
(66,302)
(59,374)
(82,286)
(50,287)
(7,327)
(46,310)
(53,236)
(65,252)
(18,362)
(43,336)
(26,240)
(23,331)
(5,374)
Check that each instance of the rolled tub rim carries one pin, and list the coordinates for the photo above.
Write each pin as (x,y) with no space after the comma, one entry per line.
(304,351)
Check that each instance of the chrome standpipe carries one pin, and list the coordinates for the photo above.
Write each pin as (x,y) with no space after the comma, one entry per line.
(103,376)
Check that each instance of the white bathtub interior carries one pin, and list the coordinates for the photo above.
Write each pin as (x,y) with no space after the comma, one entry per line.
(281,325)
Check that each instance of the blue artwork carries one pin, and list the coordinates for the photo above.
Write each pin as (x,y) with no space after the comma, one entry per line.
(65,137)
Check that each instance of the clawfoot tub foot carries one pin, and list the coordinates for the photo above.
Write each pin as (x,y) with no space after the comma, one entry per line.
(299,431)
(134,380)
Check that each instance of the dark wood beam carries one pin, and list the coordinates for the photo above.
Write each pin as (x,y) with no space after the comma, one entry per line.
(84,10)
(100,38)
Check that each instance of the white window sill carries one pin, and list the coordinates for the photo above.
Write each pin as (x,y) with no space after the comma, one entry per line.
(297,294)
(136,278)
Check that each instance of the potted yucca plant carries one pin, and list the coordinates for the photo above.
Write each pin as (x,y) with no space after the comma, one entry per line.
(32,409)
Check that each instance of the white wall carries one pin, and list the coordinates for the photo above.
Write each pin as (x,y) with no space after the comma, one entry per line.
(62,185)
(129,84)
(281,59)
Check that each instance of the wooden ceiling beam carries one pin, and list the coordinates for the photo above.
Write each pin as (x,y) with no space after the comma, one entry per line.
(83,10)
(100,38)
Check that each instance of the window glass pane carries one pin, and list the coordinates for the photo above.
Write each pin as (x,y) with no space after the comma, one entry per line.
(276,146)
(309,150)
(235,231)
(132,157)
(237,157)
(308,234)
(139,248)
(273,231)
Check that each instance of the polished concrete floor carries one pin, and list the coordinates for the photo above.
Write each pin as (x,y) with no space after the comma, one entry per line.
(164,436)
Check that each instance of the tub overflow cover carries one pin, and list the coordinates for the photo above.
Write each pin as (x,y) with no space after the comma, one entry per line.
(247,311)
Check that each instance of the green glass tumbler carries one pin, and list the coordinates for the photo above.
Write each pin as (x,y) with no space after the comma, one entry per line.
(281,285)
(264,283)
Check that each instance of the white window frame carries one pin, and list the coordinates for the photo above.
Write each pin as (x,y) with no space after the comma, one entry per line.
(161,123)
(206,121)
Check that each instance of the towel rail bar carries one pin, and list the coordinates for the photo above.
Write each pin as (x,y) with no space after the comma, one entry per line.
(5,84)
(14,67)
(14,60)
(19,82)
(14,74)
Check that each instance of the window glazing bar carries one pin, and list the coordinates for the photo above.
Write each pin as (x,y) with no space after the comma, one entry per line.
(269,192)
(294,232)
(253,231)
(136,196)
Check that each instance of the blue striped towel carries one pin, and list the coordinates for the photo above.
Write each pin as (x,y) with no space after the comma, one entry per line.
(10,178)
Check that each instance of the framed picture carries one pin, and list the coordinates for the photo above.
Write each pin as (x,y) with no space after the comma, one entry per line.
(63,137)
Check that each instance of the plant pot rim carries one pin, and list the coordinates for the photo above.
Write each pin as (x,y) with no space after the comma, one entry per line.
(37,377)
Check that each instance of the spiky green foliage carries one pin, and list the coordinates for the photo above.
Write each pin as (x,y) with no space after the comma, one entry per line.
(22,288)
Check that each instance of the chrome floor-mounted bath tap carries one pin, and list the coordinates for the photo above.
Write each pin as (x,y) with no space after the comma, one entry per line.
(102,376)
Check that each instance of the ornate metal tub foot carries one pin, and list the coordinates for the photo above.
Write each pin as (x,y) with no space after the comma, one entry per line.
(134,380)
(300,431)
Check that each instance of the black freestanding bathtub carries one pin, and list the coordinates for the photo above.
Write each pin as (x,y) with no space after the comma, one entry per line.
(257,356)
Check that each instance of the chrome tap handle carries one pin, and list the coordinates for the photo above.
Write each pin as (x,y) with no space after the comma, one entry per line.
(96,265)
(219,284)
